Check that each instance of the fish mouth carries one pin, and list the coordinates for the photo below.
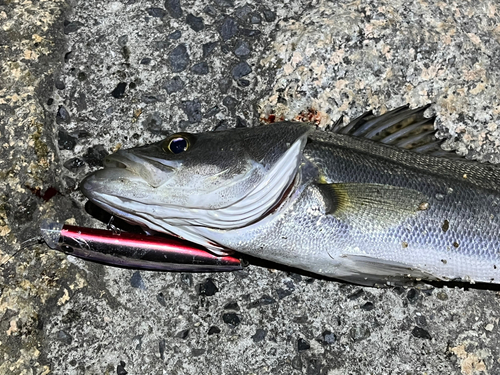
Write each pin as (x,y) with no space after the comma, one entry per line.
(154,171)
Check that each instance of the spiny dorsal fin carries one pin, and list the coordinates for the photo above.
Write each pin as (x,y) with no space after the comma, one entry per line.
(372,206)
(402,127)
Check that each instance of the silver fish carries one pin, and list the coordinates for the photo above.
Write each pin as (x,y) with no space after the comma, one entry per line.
(375,202)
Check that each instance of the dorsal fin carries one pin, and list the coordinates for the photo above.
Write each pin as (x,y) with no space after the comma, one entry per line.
(402,127)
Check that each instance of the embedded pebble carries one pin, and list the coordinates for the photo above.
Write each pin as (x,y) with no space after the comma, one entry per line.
(228,29)
(231,319)
(200,68)
(65,141)
(175,35)
(119,91)
(192,108)
(208,48)
(156,12)
(136,281)
(174,85)
(302,345)
(174,8)
(207,288)
(260,335)
(195,23)
(241,70)
(242,49)
(62,116)
(179,58)
(421,333)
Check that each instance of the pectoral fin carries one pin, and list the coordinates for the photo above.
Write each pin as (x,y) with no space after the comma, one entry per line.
(372,205)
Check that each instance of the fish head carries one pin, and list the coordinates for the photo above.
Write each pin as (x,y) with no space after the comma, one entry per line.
(223,180)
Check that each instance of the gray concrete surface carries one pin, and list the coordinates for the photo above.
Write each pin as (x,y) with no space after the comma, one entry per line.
(201,65)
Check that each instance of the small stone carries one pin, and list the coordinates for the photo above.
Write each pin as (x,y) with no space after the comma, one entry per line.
(174,85)
(153,122)
(207,288)
(195,23)
(302,345)
(262,301)
(161,299)
(192,108)
(68,55)
(187,279)
(179,58)
(81,76)
(421,321)
(250,32)
(65,141)
(232,306)
(231,319)
(212,112)
(145,61)
(489,327)
(200,69)
(269,15)
(241,70)
(62,116)
(149,99)
(328,338)
(95,155)
(282,293)
(59,84)
(421,333)
(242,49)
(71,27)
(412,295)
(240,122)
(210,10)
(161,44)
(120,369)
(243,12)
(368,306)
(228,29)
(161,347)
(208,48)
(175,35)
(183,334)
(156,12)
(225,84)
(360,333)
(123,40)
(64,337)
(50,101)
(297,362)
(259,335)
(230,103)
(136,281)
(174,8)
(197,352)
(442,296)
(213,330)
(119,91)
(358,293)
(73,164)
(255,18)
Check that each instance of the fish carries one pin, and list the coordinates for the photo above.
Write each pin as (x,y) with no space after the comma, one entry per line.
(376,202)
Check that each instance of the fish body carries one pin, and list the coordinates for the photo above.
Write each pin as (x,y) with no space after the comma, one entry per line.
(351,204)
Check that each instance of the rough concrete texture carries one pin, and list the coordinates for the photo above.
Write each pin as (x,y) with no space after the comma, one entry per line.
(80,80)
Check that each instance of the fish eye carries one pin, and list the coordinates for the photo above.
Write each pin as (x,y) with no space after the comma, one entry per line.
(176,144)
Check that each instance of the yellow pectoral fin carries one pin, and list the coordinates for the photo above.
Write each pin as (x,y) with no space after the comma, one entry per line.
(372,205)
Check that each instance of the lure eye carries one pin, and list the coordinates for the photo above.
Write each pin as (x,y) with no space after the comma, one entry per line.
(176,144)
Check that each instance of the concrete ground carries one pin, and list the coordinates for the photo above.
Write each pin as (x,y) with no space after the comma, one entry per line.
(80,79)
